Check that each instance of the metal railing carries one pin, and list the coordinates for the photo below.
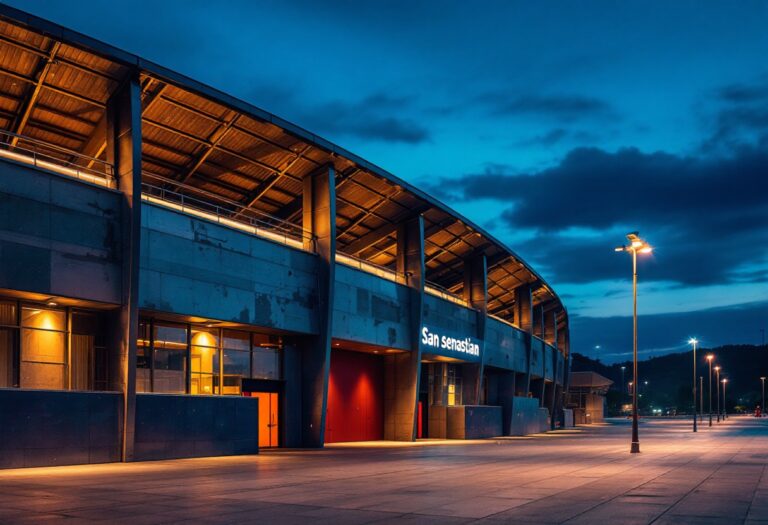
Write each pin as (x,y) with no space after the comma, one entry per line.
(369,267)
(55,158)
(509,323)
(228,213)
(438,291)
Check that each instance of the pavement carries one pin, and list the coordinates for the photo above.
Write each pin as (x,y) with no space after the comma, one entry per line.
(583,475)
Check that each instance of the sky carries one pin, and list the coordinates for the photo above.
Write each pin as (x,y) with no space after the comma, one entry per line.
(558,126)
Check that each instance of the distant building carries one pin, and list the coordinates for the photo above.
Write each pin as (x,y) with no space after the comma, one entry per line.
(586,397)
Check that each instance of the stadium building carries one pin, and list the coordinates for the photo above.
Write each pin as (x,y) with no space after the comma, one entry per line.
(184,274)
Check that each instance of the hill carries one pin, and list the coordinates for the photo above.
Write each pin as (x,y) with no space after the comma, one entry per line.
(670,377)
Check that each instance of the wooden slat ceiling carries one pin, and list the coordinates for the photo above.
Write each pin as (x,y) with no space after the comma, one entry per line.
(54,92)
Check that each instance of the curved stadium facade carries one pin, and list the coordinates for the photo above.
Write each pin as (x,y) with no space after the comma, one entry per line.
(184,274)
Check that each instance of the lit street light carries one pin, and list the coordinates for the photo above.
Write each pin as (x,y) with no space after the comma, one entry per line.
(710,357)
(717,371)
(725,408)
(636,244)
(701,398)
(693,341)
(622,383)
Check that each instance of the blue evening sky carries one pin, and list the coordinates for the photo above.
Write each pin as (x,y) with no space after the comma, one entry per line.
(559,126)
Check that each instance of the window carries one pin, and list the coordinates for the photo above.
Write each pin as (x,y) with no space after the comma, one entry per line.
(170,358)
(236,347)
(143,358)
(454,385)
(266,357)
(205,362)
(9,371)
(43,348)
(88,353)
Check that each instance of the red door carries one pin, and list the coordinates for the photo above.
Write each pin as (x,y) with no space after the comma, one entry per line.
(355,398)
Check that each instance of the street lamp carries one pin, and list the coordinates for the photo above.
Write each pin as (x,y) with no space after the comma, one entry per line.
(636,244)
(762,407)
(717,372)
(694,341)
(701,398)
(725,408)
(622,383)
(710,357)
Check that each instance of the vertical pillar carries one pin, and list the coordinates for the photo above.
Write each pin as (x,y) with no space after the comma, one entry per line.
(476,295)
(506,395)
(550,336)
(319,219)
(403,371)
(124,153)
(524,321)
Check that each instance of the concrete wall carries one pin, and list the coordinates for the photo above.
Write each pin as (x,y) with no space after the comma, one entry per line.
(549,362)
(473,422)
(46,428)
(370,309)
(504,346)
(537,357)
(58,236)
(179,426)
(195,267)
(453,318)
(528,417)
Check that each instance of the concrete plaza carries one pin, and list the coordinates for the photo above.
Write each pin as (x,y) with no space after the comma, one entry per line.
(584,475)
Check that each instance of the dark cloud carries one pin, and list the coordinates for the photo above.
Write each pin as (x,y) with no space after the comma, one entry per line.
(707,216)
(741,116)
(661,334)
(376,117)
(558,107)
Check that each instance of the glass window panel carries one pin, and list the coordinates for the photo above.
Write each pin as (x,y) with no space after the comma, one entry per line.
(143,353)
(8,313)
(43,346)
(8,359)
(43,318)
(236,340)
(237,365)
(266,363)
(170,374)
(47,376)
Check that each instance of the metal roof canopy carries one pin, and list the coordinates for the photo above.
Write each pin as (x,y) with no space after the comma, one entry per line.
(54,85)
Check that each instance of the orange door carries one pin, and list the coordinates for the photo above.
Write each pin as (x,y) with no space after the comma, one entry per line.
(268,418)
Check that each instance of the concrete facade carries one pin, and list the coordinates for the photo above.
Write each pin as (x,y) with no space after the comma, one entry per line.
(161,275)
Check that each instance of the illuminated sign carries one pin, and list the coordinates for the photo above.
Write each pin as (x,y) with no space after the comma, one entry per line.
(440,343)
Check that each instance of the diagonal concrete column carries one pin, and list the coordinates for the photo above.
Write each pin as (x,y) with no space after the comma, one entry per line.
(124,153)
(319,219)
(476,295)
(524,321)
(403,371)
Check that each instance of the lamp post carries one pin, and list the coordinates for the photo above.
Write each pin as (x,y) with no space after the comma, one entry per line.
(622,383)
(710,357)
(694,341)
(762,406)
(701,398)
(717,372)
(725,408)
(636,244)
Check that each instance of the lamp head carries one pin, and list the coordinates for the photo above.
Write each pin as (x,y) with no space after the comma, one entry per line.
(693,341)
(717,368)
(710,357)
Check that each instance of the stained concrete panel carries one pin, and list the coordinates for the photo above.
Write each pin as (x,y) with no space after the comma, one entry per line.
(46,428)
(184,426)
(370,309)
(504,346)
(58,236)
(195,267)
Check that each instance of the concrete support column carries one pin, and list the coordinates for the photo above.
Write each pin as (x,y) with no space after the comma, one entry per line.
(506,395)
(403,371)
(538,321)
(524,321)
(476,295)
(550,336)
(319,219)
(124,153)
(550,327)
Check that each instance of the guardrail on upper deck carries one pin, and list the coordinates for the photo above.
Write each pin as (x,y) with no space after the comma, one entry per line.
(55,158)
